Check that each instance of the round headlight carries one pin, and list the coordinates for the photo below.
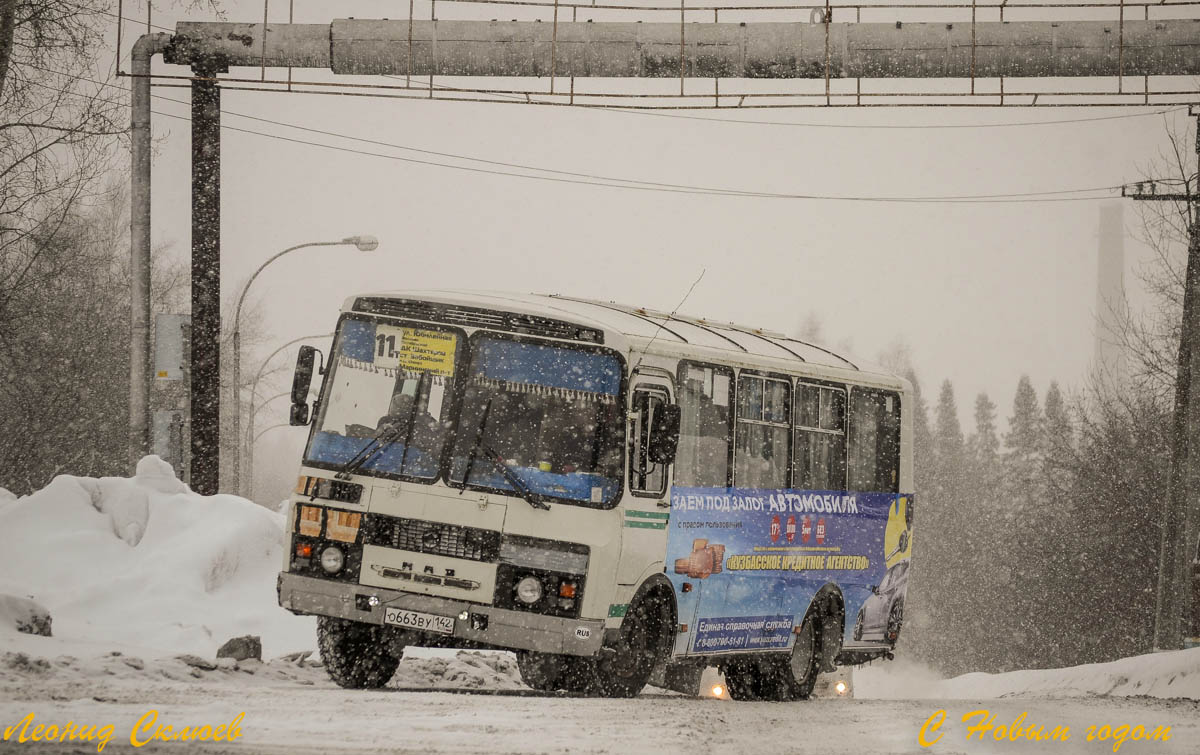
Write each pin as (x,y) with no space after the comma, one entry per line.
(529,590)
(332,559)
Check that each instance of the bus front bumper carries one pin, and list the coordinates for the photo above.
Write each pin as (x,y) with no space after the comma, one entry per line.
(502,628)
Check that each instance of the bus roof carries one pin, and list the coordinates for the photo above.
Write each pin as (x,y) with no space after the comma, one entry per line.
(641,323)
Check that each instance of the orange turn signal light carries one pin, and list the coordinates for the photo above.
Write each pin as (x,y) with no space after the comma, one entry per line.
(304,550)
(566,590)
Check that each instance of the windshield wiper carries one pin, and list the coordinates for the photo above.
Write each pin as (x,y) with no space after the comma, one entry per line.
(389,434)
(516,482)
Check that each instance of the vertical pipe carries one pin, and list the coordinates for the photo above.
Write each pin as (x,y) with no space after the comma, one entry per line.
(139,246)
(206,280)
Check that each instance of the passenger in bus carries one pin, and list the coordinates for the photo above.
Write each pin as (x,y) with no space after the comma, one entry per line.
(426,432)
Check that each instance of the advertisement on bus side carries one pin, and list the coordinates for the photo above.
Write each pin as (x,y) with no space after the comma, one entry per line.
(753,559)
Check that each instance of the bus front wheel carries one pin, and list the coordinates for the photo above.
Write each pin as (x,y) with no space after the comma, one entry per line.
(624,670)
(356,655)
(547,672)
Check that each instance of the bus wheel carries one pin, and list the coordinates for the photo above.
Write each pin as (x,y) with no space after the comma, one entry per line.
(625,669)
(539,671)
(356,655)
(742,679)
(801,671)
(547,672)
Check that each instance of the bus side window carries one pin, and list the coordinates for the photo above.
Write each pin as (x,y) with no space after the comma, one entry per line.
(874,455)
(820,438)
(646,477)
(761,452)
(705,427)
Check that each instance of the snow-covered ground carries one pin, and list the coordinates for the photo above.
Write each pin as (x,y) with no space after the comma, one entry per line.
(145,579)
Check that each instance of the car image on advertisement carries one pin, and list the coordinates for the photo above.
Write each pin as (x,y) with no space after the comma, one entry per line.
(881,616)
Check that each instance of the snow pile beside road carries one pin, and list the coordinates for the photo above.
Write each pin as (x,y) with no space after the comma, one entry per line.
(464,670)
(146,563)
(1173,674)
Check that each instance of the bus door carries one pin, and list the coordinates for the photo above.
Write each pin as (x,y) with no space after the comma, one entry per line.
(647,508)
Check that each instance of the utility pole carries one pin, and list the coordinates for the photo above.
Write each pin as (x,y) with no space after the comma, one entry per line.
(1181,510)
(205,358)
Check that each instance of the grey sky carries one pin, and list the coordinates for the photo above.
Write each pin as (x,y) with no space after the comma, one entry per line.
(981,293)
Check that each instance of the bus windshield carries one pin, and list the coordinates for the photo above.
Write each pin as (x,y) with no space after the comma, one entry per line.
(551,414)
(388,394)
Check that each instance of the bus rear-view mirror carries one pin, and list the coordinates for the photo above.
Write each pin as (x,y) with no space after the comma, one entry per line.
(664,435)
(301,381)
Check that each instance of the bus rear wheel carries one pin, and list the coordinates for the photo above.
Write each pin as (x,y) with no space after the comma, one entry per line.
(624,669)
(775,679)
(356,655)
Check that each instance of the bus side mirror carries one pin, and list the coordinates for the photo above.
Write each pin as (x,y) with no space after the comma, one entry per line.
(664,435)
(299,415)
(301,382)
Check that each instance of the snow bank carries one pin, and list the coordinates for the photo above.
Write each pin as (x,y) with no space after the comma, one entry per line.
(146,563)
(1173,674)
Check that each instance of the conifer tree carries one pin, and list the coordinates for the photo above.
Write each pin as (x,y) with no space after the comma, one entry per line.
(1023,449)
(923,450)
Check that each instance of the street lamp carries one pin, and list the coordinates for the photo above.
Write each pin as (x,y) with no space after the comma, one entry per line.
(364,243)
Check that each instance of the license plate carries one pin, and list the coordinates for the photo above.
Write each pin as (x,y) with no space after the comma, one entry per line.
(425,622)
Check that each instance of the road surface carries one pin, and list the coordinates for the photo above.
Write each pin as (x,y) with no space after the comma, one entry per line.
(295,709)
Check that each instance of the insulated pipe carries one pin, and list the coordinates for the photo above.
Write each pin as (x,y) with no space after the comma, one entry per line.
(144,49)
(726,50)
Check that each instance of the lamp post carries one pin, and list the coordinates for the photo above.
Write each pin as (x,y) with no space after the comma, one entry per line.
(364,243)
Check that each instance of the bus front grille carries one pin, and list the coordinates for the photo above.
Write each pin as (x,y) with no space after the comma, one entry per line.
(432,537)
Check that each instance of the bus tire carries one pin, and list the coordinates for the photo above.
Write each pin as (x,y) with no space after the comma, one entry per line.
(774,679)
(800,672)
(356,655)
(539,671)
(547,672)
(743,680)
(625,669)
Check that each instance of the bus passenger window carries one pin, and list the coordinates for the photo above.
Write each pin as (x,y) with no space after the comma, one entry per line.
(702,459)
(820,438)
(760,457)
(874,455)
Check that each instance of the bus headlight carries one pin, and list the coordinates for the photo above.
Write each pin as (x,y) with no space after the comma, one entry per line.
(332,559)
(529,590)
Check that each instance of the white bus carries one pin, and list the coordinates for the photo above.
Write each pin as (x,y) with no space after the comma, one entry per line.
(616,494)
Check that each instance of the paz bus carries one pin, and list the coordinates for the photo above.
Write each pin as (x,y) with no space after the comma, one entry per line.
(620,496)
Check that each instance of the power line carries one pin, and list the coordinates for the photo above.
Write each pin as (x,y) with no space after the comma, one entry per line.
(618,182)
(743,121)
(1030,197)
